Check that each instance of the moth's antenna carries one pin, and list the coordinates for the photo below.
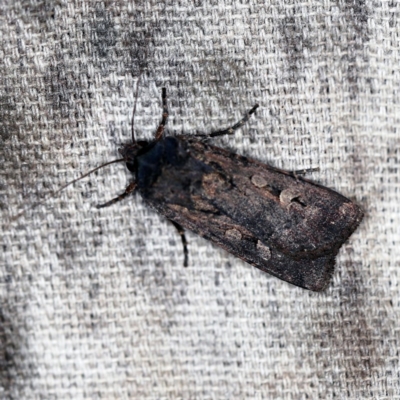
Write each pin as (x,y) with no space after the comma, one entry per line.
(53,194)
(134,107)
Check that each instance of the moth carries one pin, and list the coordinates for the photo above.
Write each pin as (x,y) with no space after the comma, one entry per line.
(273,219)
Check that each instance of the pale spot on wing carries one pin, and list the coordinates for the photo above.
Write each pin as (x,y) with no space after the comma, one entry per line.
(263,250)
(233,234)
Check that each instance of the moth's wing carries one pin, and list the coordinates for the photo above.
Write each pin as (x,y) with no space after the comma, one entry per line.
(287,226)
(292,214)
(309,273)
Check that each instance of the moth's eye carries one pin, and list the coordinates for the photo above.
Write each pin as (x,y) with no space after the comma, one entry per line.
(131,167)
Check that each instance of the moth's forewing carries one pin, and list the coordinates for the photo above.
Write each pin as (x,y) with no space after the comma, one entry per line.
(282,224)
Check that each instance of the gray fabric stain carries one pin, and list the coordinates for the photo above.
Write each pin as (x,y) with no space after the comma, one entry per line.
(355,14)
(348,333)
(8,125)
(104,35)
(300,39)
(13,371)
(295,41)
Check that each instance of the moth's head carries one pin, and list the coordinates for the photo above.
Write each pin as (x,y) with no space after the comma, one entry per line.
(131,151)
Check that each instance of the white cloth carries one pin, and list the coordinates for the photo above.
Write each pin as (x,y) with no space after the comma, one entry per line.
(96,303)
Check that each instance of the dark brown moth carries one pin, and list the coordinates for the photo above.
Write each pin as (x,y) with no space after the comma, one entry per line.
(275,220)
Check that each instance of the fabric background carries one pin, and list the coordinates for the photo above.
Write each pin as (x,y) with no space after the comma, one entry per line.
(95,303)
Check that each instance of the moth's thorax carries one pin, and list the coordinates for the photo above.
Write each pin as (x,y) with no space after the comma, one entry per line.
(149,162)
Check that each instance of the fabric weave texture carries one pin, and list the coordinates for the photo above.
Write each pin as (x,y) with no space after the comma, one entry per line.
(95,304)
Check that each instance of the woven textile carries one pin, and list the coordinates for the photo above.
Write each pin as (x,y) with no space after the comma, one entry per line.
(95,303)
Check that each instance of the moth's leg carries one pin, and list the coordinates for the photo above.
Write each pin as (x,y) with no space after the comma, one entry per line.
(298,172)
(232,129)
(181,231)
(160,129)
(130,189)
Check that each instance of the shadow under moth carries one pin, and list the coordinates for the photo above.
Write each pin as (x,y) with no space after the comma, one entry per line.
(274,220)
